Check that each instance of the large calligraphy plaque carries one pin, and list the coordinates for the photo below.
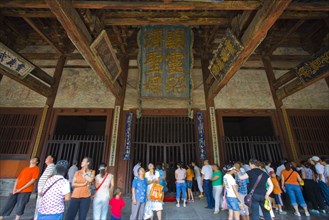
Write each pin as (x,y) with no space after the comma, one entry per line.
(226,54)
(13,63)
(165,61)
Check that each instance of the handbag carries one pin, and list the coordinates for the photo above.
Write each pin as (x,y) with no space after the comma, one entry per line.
(248,197)
(156,193)
(224,203)
(94,189)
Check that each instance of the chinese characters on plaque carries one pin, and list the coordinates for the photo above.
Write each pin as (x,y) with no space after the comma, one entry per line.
(165,61)
(13,63)
(227,53)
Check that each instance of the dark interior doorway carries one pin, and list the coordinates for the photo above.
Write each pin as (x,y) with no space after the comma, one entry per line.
(248,126)
(250,137)
(76,137)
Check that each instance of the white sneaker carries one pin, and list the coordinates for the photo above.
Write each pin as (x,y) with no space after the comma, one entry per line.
(323,211)
(307,214)
(216,212)
(297,213)
(184,205)
(177,205)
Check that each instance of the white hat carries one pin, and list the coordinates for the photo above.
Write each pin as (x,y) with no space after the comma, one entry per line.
(315,158)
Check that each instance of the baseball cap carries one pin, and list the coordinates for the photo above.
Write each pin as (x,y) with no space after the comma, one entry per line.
(315,158)
(62,163)
(102,167)
(229,167)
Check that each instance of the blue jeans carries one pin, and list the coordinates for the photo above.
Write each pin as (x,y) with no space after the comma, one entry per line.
(207,185)
(324,191)
(295,194)
(58,216)
(180,187)
(78,204)
(258,200)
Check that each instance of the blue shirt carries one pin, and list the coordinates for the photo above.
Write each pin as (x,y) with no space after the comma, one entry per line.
(242,184)
(140,187)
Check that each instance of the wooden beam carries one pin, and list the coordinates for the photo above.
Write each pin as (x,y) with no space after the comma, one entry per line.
(271,79)
(305,15)
(80,37)
(309,6)
(42,35)
(51,56)
(143,5)
(167,21)
(285,78)
(252,37)
(119,37)
(327,81)
(31,82)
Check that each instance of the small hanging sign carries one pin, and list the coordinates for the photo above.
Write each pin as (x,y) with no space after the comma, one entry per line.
(201,140)
(127,146)
(114,138)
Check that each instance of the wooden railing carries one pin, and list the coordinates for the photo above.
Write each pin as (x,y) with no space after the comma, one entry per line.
(244,148)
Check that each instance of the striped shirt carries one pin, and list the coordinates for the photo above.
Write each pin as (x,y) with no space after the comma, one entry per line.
(49,171)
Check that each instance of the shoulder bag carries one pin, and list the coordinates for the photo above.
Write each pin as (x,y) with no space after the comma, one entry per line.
(248,197)
(100,184)
(51,186)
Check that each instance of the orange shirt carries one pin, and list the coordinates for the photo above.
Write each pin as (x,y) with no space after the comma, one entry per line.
(81,191)
(25,176)
(276,187)
(292,179)
(189,174)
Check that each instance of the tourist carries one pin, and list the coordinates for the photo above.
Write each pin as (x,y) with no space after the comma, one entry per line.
(153,177)
(279,169)
(189,183)
(55,191)
(321,178)
(311,189)
(117,203)
(136,167)
(197,177)
(262,191)
(233,199)
(290,181)
(72,171)
(49,171)
(180,176)
(138,190)
(242,189)
(277,193)
(217,185)
(162,173)
(81,196)
(22,190)
(206,176)
(104,183)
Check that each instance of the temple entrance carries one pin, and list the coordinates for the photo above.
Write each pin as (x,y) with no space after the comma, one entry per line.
(165,139)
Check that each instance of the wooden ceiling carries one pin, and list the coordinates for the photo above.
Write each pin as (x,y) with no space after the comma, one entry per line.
(299,24)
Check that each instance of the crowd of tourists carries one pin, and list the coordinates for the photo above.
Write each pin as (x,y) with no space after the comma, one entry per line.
(254,189)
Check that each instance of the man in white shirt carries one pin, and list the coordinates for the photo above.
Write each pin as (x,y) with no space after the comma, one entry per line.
(279,169)
(319,168)
(197,176)
(207,185)
(49,171)
(136,167)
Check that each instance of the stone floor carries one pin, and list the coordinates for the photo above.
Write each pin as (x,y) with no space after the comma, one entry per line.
(193,211)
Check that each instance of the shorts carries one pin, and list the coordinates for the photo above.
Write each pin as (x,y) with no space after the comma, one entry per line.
(278,199)
(233,203)
(189,184)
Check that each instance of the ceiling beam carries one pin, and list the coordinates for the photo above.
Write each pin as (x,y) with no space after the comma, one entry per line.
(252,37)
(31,82)
(42,35)
(167,21)
(80,37)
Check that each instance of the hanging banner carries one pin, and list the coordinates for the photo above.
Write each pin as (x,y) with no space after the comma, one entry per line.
(13,63)
(127,146)
(227,53)
(165,61)
(214,135)
(201,140)
(114,138)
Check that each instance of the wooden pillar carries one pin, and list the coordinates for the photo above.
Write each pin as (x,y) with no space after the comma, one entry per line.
(289,146)
(120,170)
(217,156)
(45,120)
(327,81)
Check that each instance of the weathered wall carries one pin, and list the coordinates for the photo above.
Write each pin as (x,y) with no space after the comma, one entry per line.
(132,94)
(248,89)
(78,88)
